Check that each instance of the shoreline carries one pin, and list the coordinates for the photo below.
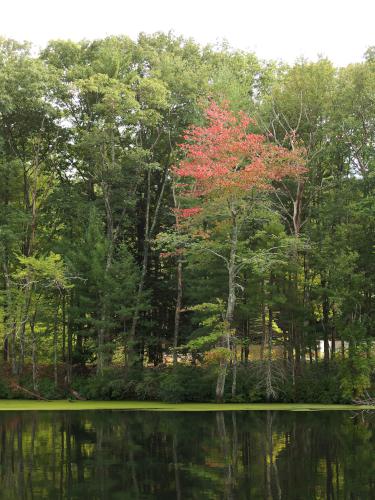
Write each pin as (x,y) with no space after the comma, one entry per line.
(67,405)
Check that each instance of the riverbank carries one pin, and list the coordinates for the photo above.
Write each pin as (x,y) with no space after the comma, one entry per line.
(316,384)
(64,405)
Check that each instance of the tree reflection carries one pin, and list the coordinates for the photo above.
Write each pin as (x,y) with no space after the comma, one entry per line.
(228,455)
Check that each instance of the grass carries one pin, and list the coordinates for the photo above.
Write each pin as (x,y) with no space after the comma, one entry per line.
(62,405)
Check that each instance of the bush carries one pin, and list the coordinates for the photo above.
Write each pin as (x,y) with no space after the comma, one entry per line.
(47,389)
(187,383)
(5,392)
(317,384)
(339,382)
(117,384)
(355,375)
(248,386)
(105,387)
(149,386)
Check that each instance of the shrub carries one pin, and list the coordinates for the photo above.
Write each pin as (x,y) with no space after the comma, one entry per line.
(47,389)
(355,375)
(187,383)
(317,384)
(5,392)
(248,387)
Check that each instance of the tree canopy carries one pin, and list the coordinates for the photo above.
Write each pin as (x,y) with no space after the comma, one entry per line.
(164,203)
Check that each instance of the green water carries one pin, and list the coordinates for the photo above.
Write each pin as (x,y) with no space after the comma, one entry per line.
(167,455)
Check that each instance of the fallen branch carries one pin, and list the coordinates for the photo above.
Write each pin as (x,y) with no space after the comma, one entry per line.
(34,394)
(368,401)
(77,395)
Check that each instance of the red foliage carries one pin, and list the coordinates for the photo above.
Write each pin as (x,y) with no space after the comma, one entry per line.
(186,212)
(224,156)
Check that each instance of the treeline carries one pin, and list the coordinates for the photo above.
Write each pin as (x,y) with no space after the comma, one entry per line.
(98,272)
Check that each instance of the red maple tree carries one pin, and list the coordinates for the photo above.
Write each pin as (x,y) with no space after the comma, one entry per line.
(224,158)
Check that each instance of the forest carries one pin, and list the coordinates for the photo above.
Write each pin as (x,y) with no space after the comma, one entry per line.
(185,223)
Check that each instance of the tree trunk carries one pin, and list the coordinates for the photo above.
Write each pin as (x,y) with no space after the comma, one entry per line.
(325,306)
(264,330)
(34,353)
(270,391)
(220,384)
(179,286)
(148,234)
(333,337)
(100,354)
(63,354)
(297,208)
(234,369)
(7,313)
(70,353)
(177,310)
(111,234)
(23,319)
(55,325)
(316,353)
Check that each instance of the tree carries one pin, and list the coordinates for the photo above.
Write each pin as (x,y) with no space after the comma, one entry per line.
(39,279)
(226,161)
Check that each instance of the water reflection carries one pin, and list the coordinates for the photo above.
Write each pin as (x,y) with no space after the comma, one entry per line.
(223,455)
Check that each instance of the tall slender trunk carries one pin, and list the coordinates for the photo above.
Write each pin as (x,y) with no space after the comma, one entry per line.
(6,348)
(23,320)
(148,234)
(325,307)
(146,244)
(63,320)
(297,224)
(102,355)
(179,287)
(234,369)
(220,384)
(30,200)
(333,336)
(55,328)
(13,349)
(7,303)
(297,208)
(70,351)
(7,313)
(34,352)
(270,391)
(177,310)
(264,329)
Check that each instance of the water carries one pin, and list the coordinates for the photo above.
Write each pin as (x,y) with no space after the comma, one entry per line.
(213,455)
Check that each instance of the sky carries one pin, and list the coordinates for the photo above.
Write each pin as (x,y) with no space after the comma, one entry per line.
(274,29)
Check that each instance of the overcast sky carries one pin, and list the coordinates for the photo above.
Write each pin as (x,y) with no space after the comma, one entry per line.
(279,29)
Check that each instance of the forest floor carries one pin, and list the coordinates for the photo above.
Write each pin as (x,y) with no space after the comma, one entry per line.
(63,405)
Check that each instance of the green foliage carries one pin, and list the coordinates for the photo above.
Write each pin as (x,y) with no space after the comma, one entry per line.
(187,383)
(90,237)
(355,375)
(318,383)
(109,386)
(5,392)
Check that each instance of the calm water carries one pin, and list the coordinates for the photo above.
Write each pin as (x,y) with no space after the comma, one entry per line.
(228,455)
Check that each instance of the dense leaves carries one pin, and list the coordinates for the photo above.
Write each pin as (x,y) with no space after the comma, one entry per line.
(163,203)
